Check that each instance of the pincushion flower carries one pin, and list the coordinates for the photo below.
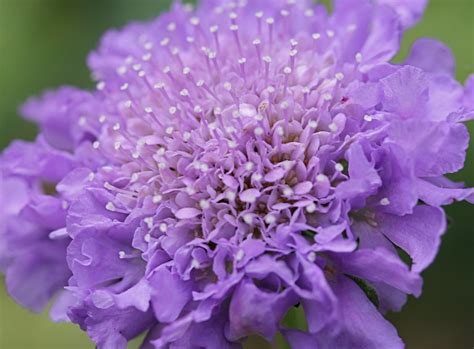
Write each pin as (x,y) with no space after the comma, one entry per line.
(237,160)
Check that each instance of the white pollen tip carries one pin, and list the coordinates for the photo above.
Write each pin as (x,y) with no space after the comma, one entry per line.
(249,166)
(100,86)
(258,131)
(172,110)
(122,254)
(327,97)
(368,118)
(163,227)
(321,178)
(204,204)
(270,219)
(248,218)
(340,76)
(110,206)
(230,195)
(339,167)
(239,255)
(311,257)
(311,208)
(385,202)
(157,199)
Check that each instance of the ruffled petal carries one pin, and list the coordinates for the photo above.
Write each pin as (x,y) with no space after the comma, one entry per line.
(410,11)
(255,311)
(419,234)
(170,294)
(363,326)
(379,265)
(432,56)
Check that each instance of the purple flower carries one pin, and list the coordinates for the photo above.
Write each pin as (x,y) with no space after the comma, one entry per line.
(235,161)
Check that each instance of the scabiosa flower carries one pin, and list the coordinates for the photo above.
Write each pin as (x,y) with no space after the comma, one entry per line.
(235,161)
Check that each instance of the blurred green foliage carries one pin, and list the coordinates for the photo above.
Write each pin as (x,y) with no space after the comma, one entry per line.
(44,43)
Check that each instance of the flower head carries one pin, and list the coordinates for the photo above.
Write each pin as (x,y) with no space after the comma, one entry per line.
(235,161)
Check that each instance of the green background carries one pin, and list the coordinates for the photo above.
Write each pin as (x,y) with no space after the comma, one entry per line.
(44,43)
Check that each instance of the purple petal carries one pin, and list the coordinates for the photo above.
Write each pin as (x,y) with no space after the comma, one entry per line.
(432,56)
(187,213)
(256,311)
(419,234)
(249,195)
(170,294)
(363,326)
(410,11)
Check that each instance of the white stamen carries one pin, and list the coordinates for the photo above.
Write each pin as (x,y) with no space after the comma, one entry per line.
(239,255)
(157,198)
(311,208)
(321,177)
(100,86)
(258,131)
(110,206)
(249,166)
(257,177)
(149,222)
(204,204)
(248,218)
(230,195)
(270,219)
